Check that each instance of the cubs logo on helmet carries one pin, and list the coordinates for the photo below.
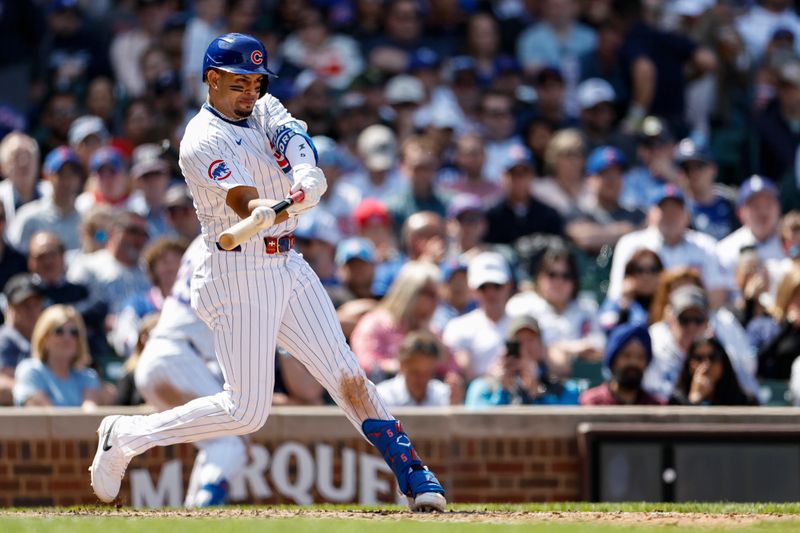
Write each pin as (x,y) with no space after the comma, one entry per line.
(236,53)
(218,170)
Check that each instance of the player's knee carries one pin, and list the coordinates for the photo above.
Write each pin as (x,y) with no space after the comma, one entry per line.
(246,415)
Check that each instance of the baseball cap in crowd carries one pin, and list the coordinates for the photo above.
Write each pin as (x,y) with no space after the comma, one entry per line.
(622,335)
(783,32)
(57,158)
(19,288)
(654,132)
(441,116)
(106,156)
(518,323)
(352,100)
(688,150)
(669,191)
(327,152)
(487,267)
(506,64)
(423,58)
(548,74)
(147,159)
(11,120)
(166,83)
(595,91)
(754,185)
(64,5)
(83,127)
(691,8)
(178,196)
(790,73)
(404,89)
(464,203)
(318,225)
(517,155)
(460,64)
(377,146)
(303,81)
(371,211)
(688,297)
(603,158)
(355,248)
(450,267)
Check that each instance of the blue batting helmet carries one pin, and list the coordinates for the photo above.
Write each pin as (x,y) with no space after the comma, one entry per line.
(237,53)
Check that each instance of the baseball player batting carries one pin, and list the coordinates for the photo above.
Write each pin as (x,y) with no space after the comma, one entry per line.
(240,153)
(174,368)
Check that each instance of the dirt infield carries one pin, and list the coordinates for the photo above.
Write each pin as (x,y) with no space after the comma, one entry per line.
(622,518)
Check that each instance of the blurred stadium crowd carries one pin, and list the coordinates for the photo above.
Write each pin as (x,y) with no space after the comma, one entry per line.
(530,202)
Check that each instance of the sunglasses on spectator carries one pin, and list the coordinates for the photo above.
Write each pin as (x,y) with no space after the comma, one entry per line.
(180,209)
(428,291)
(690,166)
(554,274)
(470,217)
(135,231)
(703,357)
(685,320)
(61,330)
(638,270)
(497,112)
(424,347)
(485,286)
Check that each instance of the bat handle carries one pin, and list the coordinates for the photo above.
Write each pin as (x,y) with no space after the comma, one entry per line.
(291,199)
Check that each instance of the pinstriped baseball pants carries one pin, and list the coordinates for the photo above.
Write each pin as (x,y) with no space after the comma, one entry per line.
(252,302)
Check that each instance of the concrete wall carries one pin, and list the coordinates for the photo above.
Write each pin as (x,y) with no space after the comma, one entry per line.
(313,454)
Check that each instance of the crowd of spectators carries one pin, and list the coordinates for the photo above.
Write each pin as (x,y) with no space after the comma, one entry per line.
(585,202)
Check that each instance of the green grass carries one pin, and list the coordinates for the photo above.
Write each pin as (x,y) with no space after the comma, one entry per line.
(383,519)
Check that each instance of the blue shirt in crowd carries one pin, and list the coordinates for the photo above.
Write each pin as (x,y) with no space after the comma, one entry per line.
(32,375)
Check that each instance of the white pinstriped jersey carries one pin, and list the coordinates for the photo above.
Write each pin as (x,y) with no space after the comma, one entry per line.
(178,320)
(217,154)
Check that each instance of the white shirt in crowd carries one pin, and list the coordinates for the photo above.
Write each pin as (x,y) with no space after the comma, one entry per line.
(728,250)
(662,374)
(579,320)
(7,195)
(395,393)
(391,187)
(757,26)
(43,215)
(480,337)
(696,250)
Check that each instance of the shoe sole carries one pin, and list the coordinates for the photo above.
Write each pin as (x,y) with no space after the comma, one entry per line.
(428,502)
(104,424)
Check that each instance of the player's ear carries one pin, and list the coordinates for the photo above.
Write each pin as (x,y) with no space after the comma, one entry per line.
(212,77)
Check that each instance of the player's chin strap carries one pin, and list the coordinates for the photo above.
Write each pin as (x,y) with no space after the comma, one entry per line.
(398,452)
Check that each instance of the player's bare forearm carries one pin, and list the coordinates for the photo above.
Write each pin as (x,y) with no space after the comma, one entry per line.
(243,200)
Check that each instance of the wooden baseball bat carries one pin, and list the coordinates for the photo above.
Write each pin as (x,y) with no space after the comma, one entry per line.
(247,227)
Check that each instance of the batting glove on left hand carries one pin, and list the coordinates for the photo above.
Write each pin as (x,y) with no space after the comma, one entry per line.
(311,180)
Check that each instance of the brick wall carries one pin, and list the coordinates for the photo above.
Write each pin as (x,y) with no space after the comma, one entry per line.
(508,455)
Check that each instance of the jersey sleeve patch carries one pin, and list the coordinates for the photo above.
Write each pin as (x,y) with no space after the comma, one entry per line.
(283,163)
(218,170)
